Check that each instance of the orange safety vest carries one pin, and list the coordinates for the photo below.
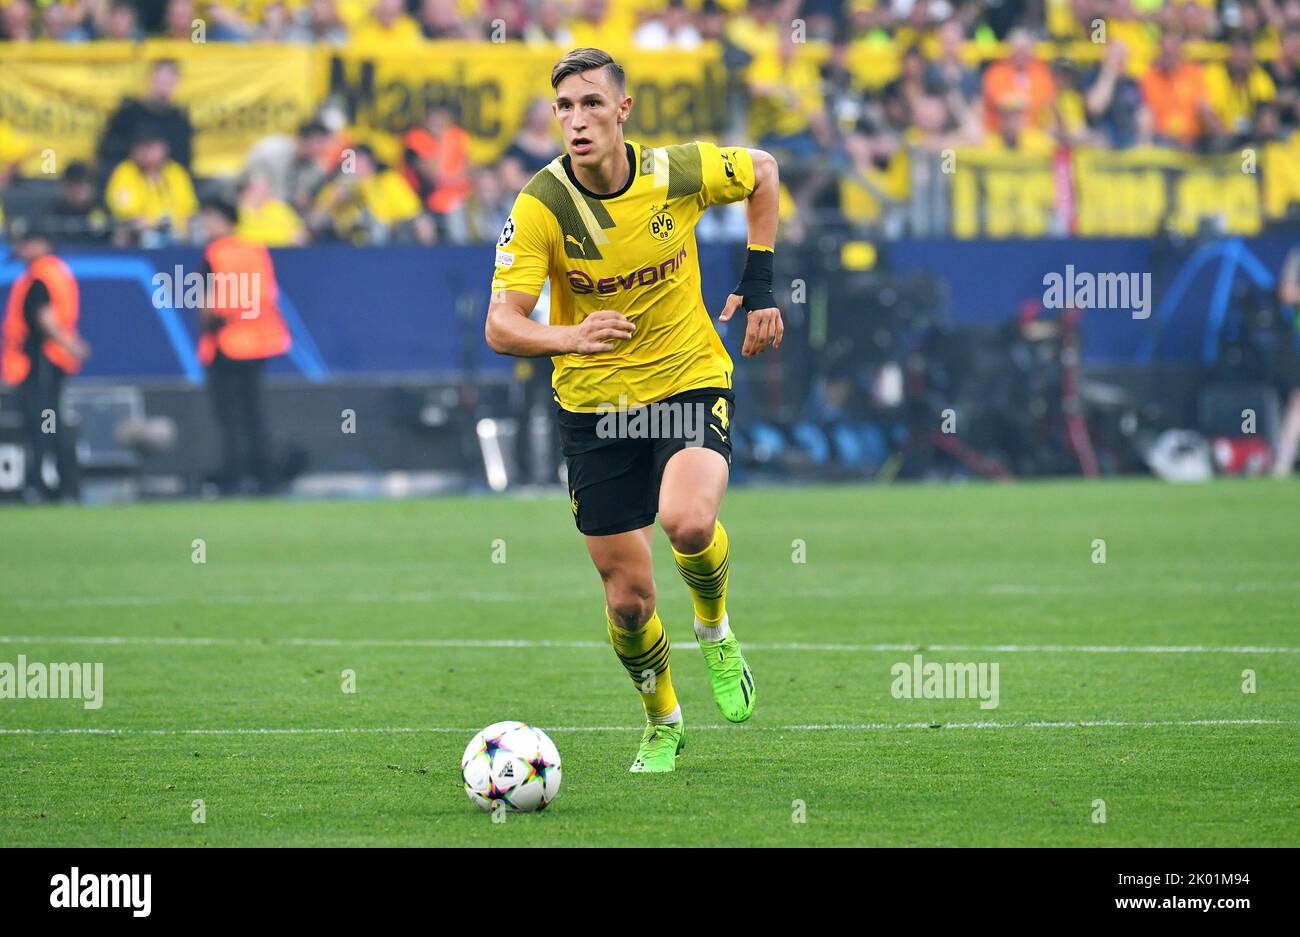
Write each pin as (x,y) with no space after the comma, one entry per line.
(243,336)
(65,300)
(452,156)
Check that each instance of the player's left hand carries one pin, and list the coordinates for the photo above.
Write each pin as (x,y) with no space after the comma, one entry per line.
(764,327)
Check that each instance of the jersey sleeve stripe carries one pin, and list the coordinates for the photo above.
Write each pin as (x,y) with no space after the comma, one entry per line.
(662,167)
(647,161)
(685,170)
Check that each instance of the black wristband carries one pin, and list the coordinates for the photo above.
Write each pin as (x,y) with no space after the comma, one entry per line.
(755,286)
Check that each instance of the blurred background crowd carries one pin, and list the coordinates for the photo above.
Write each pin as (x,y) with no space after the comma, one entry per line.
(938,159)
(1012,76)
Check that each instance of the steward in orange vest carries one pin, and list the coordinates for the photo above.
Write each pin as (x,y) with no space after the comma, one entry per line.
(40,347)
(436,162)
(242,321)
(240,328)
(41,315)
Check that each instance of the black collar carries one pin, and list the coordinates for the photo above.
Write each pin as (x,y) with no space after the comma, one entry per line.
(631,175)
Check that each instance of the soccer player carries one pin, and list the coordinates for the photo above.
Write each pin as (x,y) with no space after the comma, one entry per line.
(611,223)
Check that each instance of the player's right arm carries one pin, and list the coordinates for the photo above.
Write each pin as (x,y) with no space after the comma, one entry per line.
(523,263)
(510,331)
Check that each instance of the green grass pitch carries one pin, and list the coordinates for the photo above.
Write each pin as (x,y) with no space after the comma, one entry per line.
(223,680)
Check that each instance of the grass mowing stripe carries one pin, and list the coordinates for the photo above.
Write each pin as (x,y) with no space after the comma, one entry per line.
(827,727)
(403,598)
(362,598)
(525,643)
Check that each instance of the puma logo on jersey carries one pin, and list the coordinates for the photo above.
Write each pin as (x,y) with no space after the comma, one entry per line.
(726,165)
(581,245)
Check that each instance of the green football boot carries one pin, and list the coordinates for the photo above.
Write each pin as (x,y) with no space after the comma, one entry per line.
(660,746)
(733,681)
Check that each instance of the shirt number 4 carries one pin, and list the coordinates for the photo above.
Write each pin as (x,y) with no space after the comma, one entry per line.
(720,411)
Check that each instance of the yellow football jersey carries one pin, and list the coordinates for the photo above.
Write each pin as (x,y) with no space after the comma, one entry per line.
(634,252)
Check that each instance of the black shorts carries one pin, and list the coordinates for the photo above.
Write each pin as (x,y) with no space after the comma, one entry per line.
(616,460)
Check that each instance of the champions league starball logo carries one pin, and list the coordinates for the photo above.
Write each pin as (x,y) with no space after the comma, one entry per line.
(507,233)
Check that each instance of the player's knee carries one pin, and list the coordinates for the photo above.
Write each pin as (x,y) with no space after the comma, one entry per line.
(629,606)
(689,531)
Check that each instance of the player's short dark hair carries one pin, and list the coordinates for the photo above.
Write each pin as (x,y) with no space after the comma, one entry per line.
(584,60)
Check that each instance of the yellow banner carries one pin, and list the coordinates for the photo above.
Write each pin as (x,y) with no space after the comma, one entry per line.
(1140,192)
(1127,193)
(57,97)
(1279,163)
(677,96)
(1002,194)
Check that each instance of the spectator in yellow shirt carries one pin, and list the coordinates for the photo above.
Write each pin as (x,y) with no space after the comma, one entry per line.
(595,21)
(388,26)
(150,196)
(1237,87)
(787,112)
(1068,110)
(266,219)
(1015,133)
(368,203)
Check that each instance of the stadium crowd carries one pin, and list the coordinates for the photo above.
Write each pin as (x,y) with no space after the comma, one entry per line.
(1015,76)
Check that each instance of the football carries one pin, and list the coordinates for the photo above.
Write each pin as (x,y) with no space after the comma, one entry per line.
(511,763)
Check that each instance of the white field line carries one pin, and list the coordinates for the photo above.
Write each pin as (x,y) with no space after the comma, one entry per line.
(825,727)
(420,597)
(506,643)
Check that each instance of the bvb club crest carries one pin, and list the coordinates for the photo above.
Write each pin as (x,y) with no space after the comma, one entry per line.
(662,226)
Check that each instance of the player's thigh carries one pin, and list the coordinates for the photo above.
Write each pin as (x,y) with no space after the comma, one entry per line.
(626,566)
(690,495)
(693,470)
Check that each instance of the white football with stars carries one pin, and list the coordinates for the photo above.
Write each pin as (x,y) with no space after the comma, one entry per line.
(513,764)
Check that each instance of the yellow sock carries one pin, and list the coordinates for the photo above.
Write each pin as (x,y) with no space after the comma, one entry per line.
(705,574)
(644,654)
